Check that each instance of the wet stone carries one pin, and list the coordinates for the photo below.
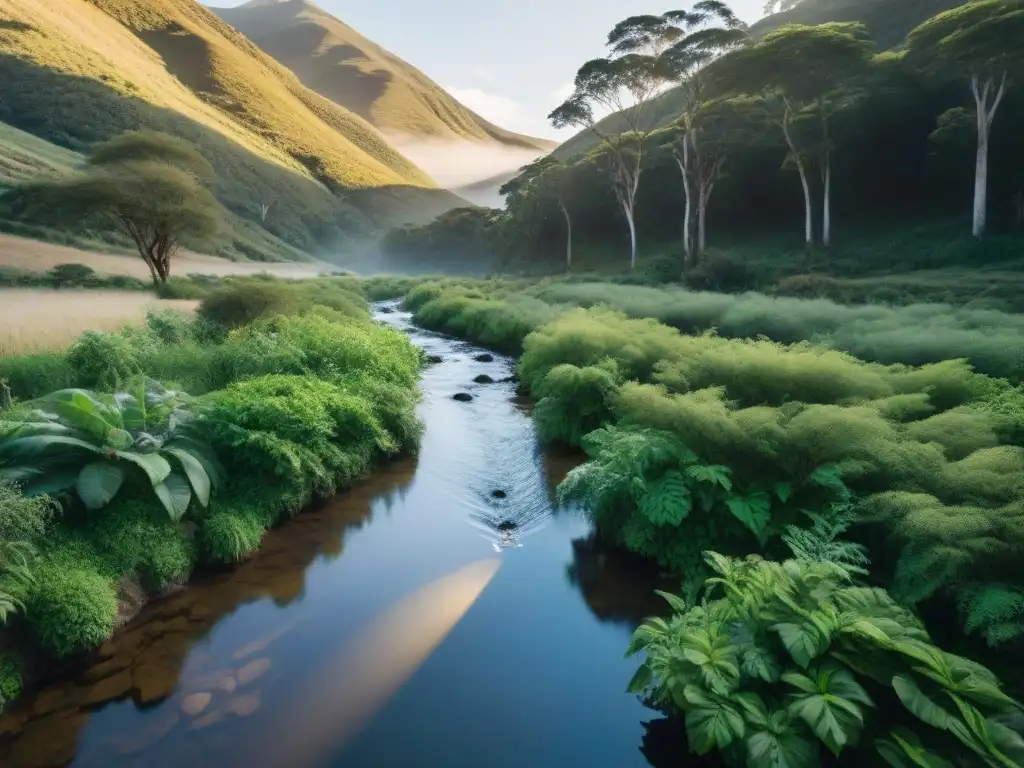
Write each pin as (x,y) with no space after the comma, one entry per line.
(483,378)
(211,718)
(434,359)
(463,397)
(484,358)
(252,671)
(243,705)
(498,493)
(116,686)
(105,669)
(153,682)
(227,684)
(194,704)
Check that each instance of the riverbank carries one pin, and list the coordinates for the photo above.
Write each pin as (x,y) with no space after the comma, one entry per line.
(177,445)
(893,474)
(246,663)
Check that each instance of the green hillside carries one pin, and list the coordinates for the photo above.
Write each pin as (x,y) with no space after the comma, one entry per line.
(888,21)
(82,71)
(337,62)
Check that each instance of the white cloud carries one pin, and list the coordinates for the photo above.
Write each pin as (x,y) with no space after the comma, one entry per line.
(500,110)
(480,73)
(561,93)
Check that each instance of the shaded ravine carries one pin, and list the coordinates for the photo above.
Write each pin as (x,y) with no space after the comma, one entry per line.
(420,619)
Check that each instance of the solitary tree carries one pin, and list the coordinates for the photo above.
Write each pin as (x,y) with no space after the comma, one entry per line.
(804,70)
(547,179)
(626,84)
(982,42)
(146,185)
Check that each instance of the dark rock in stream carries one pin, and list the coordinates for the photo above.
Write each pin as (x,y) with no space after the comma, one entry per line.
(483,378)
(507,525)
(386,310)
(434,359)
(463,397)
(484,358)
(498,494)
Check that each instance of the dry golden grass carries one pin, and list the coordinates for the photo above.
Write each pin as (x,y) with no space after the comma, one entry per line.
(37,256)
(35,320)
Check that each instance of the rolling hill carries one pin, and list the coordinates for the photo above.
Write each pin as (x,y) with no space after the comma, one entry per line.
(81,71)
(340,64)
(888,22)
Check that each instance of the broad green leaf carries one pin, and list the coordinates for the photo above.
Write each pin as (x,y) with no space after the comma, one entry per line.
(784,749)
(904,750)
(667,500)
(803,642)
(53,479)
(754,511)
(99,482)
(1007,741)
(827,476)
(21,447)
(82,410)
(195,472)
(831,720)
(677,603)
(760,662)
(919,704)
(156,467)
(782,491)
(119,439)
(712,474)
(803,682)
(174,493)
(713,727)
(641,680)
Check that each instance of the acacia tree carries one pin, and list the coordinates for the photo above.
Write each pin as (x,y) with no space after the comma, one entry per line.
(546,179)
(626,84)
(805,69)
(146,185)
(982,42)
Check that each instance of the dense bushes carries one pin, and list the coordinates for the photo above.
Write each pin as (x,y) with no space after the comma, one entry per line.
(296,403)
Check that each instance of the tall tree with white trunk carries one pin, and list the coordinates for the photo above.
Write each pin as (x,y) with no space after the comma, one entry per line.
(626,84)
(545,181)
(982,42)
(805,70)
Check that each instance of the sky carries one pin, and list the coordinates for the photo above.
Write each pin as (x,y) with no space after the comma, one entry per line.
(511,61)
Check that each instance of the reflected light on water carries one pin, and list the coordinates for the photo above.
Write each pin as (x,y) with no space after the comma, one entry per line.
(349,688)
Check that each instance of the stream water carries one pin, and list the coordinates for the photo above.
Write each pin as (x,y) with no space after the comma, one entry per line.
(420,619)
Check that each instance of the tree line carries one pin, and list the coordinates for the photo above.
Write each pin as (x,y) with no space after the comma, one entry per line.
(717,130)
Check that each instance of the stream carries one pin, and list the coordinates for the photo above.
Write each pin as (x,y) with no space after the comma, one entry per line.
(442,613)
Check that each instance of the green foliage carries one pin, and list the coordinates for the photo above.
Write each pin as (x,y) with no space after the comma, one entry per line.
(94,443)
(136,146)
(230,535)
(71,275)
(70,610)
(31,375)
(782,662)
(821,543)
(23,521)
(102,360)
(10,681)
(574,401)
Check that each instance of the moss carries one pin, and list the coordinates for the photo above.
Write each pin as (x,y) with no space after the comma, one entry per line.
(70,610)
(10,680)
(230,535)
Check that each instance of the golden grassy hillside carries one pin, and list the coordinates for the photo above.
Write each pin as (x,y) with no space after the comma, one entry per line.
(336,61)
(80,71)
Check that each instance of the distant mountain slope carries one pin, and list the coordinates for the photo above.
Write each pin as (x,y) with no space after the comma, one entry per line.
(80,71)
(888,21)
(339,63)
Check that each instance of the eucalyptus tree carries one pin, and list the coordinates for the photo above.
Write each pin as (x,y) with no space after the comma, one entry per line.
(807,71)
(546,180)
(626,84)
(707,30)
(983,43)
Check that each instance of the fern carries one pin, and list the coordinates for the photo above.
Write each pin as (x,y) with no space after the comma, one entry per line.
(996,610)
(821,542)
(667,500)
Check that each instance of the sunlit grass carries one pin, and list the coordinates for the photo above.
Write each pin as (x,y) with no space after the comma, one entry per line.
(41,320)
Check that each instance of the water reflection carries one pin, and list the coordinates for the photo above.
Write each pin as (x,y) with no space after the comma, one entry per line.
(327,647)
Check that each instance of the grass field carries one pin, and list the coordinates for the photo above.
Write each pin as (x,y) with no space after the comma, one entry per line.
(37,320)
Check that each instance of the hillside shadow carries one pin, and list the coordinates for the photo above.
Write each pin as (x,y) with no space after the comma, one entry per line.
(186,56)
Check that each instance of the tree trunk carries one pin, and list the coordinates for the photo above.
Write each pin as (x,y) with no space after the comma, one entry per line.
(683,161)
(826,215)
(802,170)
(985,114)
(701,228)
(631,218)
(568,236)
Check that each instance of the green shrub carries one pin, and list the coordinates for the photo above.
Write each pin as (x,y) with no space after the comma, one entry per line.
(229,536)
(170,327)
(240,303)
(721,272)
(35,374)
(70,610)
(10,680)
(784,663)
(101,360)
(574,401)
(181,288)
(23,518)
(71,276)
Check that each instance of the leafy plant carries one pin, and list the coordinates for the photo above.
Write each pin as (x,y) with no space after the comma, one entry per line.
(71,610)
(782,662)
(92,443)
(650,492)
(574,401)
(23,520)
(102,360)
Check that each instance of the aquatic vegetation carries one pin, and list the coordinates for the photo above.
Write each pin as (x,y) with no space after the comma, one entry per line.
(783,662)
(94,444)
